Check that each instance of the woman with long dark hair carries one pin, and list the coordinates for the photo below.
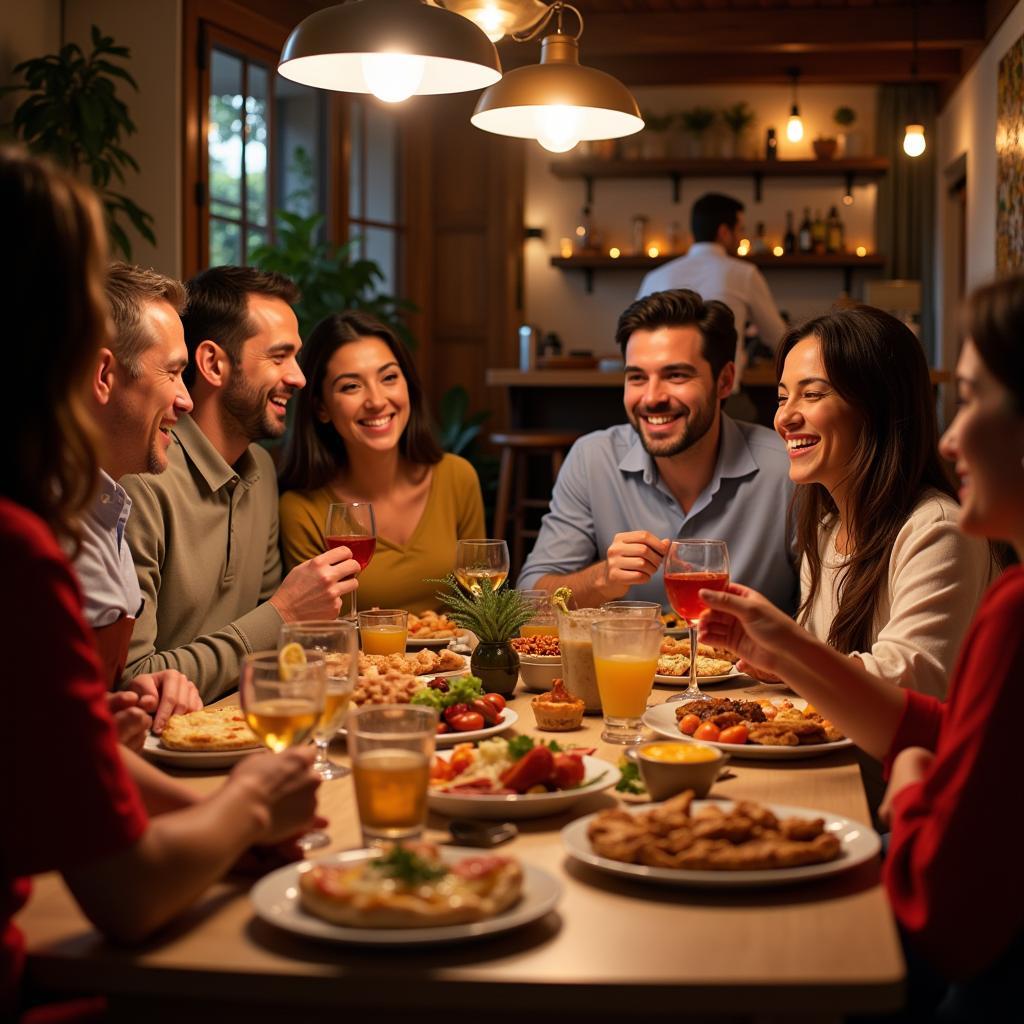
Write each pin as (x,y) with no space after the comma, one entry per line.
(361,433)
(886,575)
(953,864)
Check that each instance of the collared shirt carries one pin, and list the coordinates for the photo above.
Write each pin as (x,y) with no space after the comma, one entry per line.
(104,563)
(712,273)
(609,484)
(205,541)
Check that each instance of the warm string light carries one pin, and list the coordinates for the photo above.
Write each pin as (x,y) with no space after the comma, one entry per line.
(778,250)
(744,247)
(653,251)
(861,250)
(615,252)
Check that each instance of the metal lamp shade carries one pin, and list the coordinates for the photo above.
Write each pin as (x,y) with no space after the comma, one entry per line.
(603,107)
(326,49)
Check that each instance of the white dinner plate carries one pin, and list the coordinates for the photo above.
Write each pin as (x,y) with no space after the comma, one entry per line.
(681,682)
(662,719)
(858,843)
(449,739)
(276,899)
(600,775)
(413,644)
(155,751)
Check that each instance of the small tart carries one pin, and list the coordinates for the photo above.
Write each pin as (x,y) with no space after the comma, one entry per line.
(558,710)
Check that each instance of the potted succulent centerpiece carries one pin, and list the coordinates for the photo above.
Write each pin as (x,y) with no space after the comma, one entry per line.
(495,616)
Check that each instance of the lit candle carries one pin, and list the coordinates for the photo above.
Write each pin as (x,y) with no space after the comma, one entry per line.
(778,250)
(614,252)
(565,247)
(861,251)
(653,251)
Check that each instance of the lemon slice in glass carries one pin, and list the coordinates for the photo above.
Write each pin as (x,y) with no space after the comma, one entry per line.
(290,658)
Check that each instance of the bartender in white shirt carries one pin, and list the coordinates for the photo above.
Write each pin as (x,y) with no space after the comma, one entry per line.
(712,269)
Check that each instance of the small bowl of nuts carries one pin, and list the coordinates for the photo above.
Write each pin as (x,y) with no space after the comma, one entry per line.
(540,661)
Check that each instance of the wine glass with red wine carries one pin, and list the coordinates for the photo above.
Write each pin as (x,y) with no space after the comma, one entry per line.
(351,523)
(692,566)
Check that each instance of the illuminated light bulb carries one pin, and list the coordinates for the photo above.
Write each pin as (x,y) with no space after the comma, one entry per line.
(581,231)
(491,20)
(615,252)
(653,251)
(861,251)
(565,247)
(778,250)
(913,141)
(558,128)
(744,247)
(794,127)
(848,199)
(393,77)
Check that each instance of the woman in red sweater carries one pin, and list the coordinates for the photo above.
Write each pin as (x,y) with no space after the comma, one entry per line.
(134,846)
(953,865)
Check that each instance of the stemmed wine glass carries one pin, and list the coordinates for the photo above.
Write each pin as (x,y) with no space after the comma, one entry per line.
(693,565)
(351,523)
(282,702)
(477,560)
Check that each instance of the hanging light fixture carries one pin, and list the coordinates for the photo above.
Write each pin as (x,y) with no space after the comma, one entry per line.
(498,18)
(794,126)
(391,48)
(913,135)
(559,102)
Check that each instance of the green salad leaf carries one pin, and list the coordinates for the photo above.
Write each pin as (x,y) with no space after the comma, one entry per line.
(407,867)
(520,746)
(460,691)
(630,781)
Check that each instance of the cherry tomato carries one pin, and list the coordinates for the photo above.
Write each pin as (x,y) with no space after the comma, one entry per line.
(688,724)
(497,700)
(707,731)
(454,710)
(485,709)
(734,734)
(442,727)
(441,769)
(462,757)
(468,721)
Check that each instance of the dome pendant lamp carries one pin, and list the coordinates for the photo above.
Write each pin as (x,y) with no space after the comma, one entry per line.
(391,48)
(559,102)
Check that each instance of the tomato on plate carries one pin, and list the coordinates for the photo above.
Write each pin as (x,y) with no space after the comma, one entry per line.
(497,700)
(707,731)
(468,721)
(688,724)
(734,734)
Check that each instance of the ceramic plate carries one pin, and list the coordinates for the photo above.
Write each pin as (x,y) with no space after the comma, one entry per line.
(681,682)
(156,751)
(449,739)
(276,899)
(662,719)
(859,843)
(600,775)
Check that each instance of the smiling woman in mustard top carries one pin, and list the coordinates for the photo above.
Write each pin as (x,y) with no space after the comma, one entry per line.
(361,434)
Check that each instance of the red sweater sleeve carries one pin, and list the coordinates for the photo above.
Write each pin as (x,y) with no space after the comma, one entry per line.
(953,868)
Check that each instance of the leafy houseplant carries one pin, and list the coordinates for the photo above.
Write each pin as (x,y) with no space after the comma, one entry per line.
(849,138)
(654,138)
(695,123)
(495,616)
(738,118)
(75,117)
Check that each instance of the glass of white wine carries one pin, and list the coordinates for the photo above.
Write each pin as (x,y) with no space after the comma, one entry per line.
(477,560)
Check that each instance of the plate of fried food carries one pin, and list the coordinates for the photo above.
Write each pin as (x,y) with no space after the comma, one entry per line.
(208,738)
(431,629)
(720,844)
(714,665)
(412,893)
(417,663)
(762,729)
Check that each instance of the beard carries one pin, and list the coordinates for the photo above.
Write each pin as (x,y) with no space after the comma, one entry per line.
(156,459)
(699,421)
(247,405)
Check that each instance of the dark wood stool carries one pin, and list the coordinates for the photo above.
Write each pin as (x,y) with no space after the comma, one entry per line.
(516,448)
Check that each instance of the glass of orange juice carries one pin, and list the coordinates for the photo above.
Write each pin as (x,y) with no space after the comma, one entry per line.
(626,650)
(384,630)
(543,622)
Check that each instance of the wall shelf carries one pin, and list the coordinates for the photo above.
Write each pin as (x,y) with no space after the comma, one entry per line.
(589,169)
(844,261)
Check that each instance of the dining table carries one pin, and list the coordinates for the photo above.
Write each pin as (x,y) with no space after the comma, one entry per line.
(613,948)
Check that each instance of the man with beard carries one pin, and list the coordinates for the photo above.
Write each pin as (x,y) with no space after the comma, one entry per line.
(136,396)
(204,534)
(680,468)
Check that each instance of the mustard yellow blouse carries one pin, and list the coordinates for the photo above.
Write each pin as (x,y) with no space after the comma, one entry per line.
(395,576)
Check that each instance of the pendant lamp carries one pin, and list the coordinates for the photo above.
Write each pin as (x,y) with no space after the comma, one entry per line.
(559,102)
(391,48)
(794,126)
(913,135)
(498,18)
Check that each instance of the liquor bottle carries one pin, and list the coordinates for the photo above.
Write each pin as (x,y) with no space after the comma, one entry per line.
(771,145)
(818,232)
(760,246)
(834,241)
(806,233)
(789,241)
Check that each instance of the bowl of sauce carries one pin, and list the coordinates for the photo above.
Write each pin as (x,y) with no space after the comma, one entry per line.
(668,767)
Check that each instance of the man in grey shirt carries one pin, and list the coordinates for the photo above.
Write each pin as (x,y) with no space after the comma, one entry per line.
(680,468)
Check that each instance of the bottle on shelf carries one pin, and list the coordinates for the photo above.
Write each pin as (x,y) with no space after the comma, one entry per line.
(584,232)
(789,241)
(806,239)
(760,244)
(834,240)
(639,234)
(771,145)
(818,232)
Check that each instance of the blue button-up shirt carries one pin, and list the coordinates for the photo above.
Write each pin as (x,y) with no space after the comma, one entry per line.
(609,484)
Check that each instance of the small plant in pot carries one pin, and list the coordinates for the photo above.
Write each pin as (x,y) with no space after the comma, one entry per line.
(695,123)
(848,137)
(737,118)
(495,616)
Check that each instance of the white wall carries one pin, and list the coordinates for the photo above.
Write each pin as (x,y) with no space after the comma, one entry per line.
(556,300)
(967,125)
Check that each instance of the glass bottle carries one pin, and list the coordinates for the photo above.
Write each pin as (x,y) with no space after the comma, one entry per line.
(760,246)
(806,232)
(771,145)
(818,232)
(834,241)
(789,241)
(584,231)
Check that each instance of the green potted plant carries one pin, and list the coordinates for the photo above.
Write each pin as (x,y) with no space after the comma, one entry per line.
(695,123)
(849,138)
(495,616)
(737,118)
(74,116)
(654,138)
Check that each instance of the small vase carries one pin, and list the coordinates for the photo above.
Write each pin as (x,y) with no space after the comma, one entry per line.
(497,665)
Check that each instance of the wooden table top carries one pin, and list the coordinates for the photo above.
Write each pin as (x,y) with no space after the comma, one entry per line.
(611,946)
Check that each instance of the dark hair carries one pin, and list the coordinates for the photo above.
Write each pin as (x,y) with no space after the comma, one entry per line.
(129,290)
(314,451)
(217,308)
(681,307)
(710,212)
(53,271)
(875,363)
(994,321)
